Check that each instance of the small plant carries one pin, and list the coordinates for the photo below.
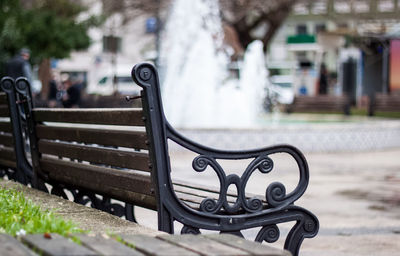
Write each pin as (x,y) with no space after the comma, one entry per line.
(19,216)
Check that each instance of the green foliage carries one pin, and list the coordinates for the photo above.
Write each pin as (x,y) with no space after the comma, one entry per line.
(11,37)
(364,112)
(18,215)
(49,28)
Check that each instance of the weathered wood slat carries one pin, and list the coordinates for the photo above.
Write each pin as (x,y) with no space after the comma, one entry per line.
(156,247)
(56,246)
(7,153)
(107,247)
(9,246)
(251,247)
(5,126)
(113,157)
(201,244)
(8,163)
(123,185)
(3,99)
(115,116)
(6,140)
(106,137)
(199,192)
(4,111)
(197,199)
(181,185)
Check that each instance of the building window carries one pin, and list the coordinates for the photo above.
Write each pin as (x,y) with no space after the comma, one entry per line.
(300,9)
(386,6)
(111,44)
(301,29)
(361,6)
(342,6)
(320,28)
(320,7)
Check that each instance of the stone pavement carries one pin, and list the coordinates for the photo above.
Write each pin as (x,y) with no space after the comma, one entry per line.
(356,197)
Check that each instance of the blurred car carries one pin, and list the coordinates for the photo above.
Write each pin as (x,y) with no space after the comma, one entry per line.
(281,87)
(103,85)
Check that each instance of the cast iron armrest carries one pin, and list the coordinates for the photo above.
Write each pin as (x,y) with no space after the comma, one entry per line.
(276,196)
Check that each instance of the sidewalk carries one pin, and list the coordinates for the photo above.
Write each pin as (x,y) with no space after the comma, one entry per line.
(356,197)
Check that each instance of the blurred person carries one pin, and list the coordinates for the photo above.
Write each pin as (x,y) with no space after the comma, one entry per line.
(323,80)
(19,66)
(53,91)
(72,96)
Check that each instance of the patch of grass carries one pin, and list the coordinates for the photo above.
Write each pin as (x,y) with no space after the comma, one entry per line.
(364,112)
(19,216)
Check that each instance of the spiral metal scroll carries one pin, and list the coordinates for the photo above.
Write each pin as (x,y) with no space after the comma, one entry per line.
(269,234)
(190,230)
(275,194)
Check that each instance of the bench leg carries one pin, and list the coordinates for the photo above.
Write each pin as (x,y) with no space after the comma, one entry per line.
(165,221)
(130,212)
(20,177)
(306,227)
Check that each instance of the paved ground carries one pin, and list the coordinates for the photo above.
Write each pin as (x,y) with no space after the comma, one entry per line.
(356,197)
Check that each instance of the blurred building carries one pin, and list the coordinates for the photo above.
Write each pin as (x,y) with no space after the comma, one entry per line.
(354,39)
(116,46)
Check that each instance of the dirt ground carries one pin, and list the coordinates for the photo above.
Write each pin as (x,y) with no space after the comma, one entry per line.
(356,197)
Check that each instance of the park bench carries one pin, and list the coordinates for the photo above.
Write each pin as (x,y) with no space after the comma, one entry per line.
(12,147)
(384,103)
(320,103)
(102,154)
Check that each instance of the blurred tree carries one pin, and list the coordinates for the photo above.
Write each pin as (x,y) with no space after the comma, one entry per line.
(49,28)
(244,20)
(248,20)
(11,38)
(130,9)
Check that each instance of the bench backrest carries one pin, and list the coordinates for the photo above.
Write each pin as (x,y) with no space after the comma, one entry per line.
(100,151)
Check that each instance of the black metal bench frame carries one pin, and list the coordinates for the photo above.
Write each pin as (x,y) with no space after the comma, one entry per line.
(19,169)
(212,214)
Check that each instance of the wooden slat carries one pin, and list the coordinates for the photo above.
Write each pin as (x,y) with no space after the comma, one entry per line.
(201,244)
(113,157)
(123,185)
(4,112)
(5,126)
(156,247)
(9,246)
(56,246)
(186,187)
(249,246)
(6,140)
(3,98)
(107,247)
(106,137)
(112,116)
(197,199)
(7,153)
(8,163)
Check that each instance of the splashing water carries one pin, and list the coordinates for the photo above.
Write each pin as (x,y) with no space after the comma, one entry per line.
(195,88)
